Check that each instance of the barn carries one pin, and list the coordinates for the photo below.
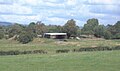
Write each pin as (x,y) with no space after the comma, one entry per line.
(55,35)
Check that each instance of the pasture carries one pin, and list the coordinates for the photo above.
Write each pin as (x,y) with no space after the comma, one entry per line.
(84,61)
(72,61)
(51,45)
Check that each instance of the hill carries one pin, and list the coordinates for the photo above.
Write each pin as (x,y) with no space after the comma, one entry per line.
(5,23)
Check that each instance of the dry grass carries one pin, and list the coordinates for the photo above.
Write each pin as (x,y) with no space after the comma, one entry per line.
(51,45)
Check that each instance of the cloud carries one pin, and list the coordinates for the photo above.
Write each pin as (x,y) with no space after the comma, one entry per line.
(55,20)
(15,9)
(106,9)
(105,2)
(59,11)
(21,19)
(8,2)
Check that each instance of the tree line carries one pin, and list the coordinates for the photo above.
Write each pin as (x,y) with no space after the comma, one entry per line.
(26,33)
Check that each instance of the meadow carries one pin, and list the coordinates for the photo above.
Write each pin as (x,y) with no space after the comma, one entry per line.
(51,45)
(84,61)
(72,61)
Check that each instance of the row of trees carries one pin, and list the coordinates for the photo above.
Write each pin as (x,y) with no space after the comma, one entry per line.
(108,32)
(26,33)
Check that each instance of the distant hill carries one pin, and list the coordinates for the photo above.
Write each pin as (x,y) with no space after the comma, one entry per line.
(5,23)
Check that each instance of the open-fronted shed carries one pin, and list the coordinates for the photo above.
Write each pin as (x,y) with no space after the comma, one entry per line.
(55,35)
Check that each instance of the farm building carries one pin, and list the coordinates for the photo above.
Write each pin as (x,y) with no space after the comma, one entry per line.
(55,35)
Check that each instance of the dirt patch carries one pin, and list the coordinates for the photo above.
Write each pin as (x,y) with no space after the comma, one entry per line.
(67,43)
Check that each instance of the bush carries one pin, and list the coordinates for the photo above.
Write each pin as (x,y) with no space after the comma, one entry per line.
(116,48)
(1,34)
(100,48)
(9,52)
(39,51)
(16,52)
(117,36)
(25,38)
(26,52)
(62,51)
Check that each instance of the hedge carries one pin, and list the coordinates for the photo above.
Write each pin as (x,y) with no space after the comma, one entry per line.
(16,52)
(105,48)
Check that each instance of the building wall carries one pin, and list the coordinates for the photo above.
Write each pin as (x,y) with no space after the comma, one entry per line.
(56,36)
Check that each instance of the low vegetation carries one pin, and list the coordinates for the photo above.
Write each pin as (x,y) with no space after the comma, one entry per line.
(25,33)
(52,45)
(22,50)
(85,61)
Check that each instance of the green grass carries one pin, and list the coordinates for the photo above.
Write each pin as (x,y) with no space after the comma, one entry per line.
(51,45)
(81,61)
(84,61)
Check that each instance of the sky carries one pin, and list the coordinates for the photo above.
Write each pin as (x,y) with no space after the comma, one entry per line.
(58,12)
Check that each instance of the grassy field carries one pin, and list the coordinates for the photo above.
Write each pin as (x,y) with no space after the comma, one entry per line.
(72,61)
(52,45)
(84,61)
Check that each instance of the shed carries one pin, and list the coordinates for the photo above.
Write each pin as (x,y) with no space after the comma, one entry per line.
(55,35)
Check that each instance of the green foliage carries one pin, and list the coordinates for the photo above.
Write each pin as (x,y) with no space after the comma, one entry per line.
(1,32)
(40,28)
(78,32)
(15,29)
(102,32)
(116,36)
(117,27)
(90,26)
(25,37)
(87,32)
(70,28)
(114,30)
(107,34)
(54,28)
(99,31)
(31,28)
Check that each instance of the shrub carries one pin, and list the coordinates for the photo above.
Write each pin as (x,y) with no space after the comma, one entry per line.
(1,34)
(16,52)
(100,48)
(116,48)
(62,51)
(25,38)
(26,52)
(39,51)
(9,52)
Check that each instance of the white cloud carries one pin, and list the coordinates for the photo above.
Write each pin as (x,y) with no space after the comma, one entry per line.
(59,11)
(15,8)
(71,2)
(28,2)
(55,20)
(21,19)
(104,2)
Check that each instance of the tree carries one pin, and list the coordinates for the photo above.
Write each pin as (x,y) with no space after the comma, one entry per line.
(1,32)
(55,28)
(15,29)
(78,32)
(89,27)
(107,35)
(101,31)
(114,30)
(117,27)
(70,28)
(31,28)
(25,37)
(117,36)
(40,28)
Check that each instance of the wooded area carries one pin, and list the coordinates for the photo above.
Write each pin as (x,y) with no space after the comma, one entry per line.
(26,33)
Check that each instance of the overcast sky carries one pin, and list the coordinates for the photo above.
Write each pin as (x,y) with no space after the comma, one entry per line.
(59,11)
